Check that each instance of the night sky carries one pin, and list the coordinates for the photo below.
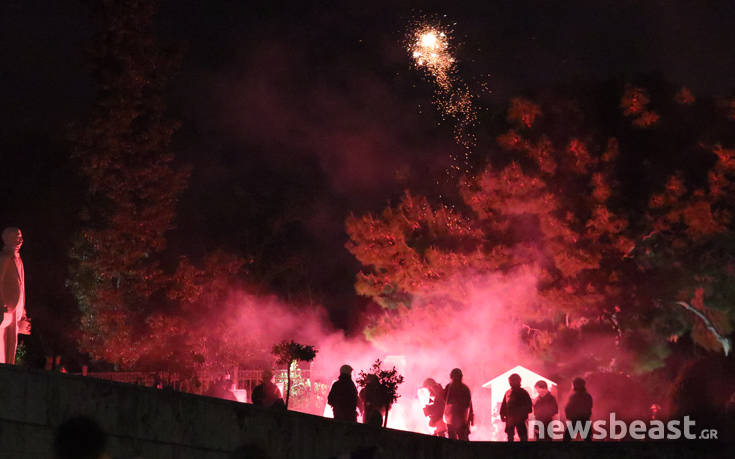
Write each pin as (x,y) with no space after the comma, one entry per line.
(295,114)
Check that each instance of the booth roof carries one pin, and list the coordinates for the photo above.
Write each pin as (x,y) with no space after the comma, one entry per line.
(525,374)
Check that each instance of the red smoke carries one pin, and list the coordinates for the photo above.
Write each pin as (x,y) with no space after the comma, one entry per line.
(426,341)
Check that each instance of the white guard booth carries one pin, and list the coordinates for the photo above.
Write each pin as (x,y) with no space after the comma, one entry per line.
(499,385)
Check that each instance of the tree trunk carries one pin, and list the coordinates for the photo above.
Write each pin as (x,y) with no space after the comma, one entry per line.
(385,421)
(288,384)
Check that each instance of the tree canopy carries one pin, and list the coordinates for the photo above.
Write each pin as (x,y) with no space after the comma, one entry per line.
(597,204)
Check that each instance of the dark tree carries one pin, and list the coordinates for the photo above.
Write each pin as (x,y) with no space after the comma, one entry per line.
(123,150)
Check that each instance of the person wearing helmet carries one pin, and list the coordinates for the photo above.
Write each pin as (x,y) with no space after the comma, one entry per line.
(267,394)
(544,409)
(579,407)
(515,409)
(434,410)
(343,396)
(458,414)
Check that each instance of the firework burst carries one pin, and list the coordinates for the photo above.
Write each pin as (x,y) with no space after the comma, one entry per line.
(429,47)
(430,50)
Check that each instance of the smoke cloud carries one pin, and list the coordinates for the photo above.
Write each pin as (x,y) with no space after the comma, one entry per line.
(426,341)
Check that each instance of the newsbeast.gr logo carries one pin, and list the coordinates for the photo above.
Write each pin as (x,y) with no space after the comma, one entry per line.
(616,429)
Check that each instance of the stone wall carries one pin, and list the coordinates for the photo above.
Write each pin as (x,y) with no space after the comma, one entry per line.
(148,423)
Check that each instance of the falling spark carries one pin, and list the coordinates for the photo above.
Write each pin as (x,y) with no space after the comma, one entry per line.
(429,46)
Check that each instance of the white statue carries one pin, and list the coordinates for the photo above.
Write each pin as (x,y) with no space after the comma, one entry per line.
(12,295)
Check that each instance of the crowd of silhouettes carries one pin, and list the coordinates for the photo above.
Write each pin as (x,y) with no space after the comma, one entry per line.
(517,405)
(450,412)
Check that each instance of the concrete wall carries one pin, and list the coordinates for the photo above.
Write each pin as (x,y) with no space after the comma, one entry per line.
(155,424)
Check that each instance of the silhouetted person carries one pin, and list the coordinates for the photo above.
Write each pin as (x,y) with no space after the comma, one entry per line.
(458,413)
(544,409)
(373,401)
(434,410)
(267,394)
(343,396)
(79,438)
(579,406)
(515,409)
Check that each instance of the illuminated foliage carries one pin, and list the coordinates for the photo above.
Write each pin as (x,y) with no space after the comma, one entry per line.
(646,119)
(523,112)
(609,265)
(634,101)
(685,96)
(635,104)
(288,353)
(692,242)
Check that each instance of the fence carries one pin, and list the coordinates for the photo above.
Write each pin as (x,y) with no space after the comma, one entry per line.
(306,395)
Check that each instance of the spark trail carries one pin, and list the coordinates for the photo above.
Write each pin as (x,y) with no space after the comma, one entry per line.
(429,47)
